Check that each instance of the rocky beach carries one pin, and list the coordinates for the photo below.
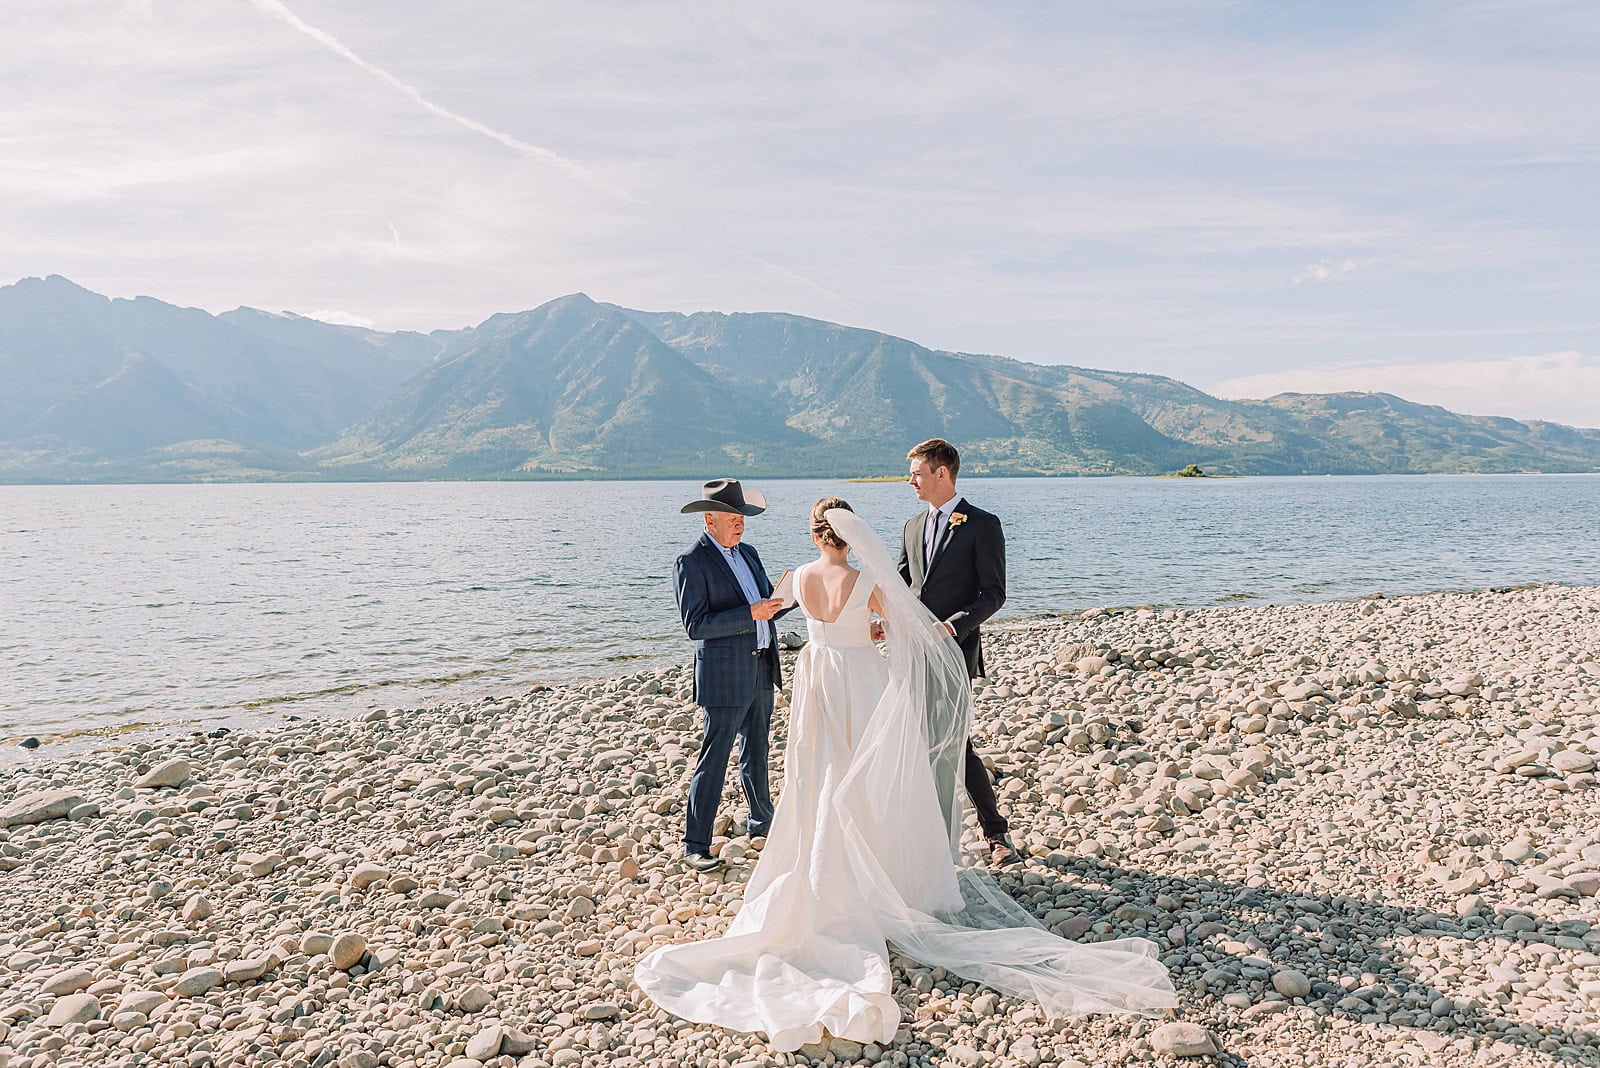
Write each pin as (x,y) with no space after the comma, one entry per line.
(1361,833)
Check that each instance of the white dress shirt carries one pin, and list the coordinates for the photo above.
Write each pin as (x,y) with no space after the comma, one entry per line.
(938,523)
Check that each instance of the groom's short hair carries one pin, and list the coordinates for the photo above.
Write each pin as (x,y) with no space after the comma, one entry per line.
(939,453)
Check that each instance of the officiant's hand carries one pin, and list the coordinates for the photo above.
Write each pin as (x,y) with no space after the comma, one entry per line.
(766,609)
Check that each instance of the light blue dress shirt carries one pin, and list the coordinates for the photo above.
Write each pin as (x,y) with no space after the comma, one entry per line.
(752,592)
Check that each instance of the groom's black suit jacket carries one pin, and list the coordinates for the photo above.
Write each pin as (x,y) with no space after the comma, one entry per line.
(965,583)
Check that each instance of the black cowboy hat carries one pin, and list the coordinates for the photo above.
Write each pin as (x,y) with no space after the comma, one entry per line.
(726,495)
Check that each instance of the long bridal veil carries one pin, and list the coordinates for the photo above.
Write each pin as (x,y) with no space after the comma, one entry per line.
(902,830)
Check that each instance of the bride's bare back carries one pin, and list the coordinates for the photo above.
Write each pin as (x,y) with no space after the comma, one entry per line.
(825,587)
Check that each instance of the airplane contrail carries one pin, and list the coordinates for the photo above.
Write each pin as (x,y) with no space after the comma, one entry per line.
(534,152)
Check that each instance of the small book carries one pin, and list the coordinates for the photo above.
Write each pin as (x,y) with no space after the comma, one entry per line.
(785,588)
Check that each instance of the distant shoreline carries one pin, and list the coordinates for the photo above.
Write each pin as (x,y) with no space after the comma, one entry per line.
(346,480)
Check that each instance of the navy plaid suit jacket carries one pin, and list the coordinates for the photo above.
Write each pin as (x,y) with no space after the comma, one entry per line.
(717,616)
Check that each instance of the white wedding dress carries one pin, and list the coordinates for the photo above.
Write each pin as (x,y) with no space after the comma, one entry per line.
(864,852)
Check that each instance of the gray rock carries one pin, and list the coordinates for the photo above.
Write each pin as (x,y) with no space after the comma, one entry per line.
(514,1043)
(437,899)
(1182,1040)
(1571,762)
(1290,983)
(174,772)
(38,807)
(844,1050)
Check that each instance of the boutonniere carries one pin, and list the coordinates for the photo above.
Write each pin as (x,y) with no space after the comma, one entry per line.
(956,519)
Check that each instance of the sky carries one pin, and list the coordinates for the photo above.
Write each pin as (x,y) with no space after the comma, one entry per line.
(1249,197)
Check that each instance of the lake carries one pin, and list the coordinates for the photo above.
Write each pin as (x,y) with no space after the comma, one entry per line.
(208,604)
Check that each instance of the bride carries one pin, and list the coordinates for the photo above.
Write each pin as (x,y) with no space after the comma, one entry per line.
(864,848)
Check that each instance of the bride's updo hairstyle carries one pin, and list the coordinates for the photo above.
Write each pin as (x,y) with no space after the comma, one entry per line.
(819,525)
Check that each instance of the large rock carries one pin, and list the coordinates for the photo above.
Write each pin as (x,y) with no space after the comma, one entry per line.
(67,982)
(485,1045)
(1586,883)
(347,950)
(516,1043)
(367,874)
(143,1002)
(247,970)
(1291,984)
(474,999)
(197,981)
(1182,1040)
(174,772)
(74,1008)
(38,807)
(1571,762)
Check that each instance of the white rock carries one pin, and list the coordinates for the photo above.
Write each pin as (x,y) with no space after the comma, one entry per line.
(1182,1040)
(474,999)
(38,807)
(174,772)
(197,981)
(74,1008)
(143,1002)
(486,1043)
(1571,762)
(365,875)
(247,970)
(67,982)
(1586,883)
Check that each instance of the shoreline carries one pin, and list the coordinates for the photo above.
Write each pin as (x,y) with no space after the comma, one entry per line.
(359,699)
(1358,832)
(345,479)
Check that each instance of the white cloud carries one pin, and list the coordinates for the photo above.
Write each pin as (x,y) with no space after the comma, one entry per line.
(1561,387)
(1325,270)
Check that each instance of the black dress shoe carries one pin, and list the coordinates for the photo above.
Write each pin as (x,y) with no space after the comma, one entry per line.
(759,830)
(1003,851)
(702,861)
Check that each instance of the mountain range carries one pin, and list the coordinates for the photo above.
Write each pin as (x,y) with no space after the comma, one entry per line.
(101,389)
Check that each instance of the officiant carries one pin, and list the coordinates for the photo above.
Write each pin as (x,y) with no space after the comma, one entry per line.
(728,609)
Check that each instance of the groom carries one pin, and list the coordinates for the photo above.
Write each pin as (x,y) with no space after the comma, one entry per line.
(953,556)
(726,602)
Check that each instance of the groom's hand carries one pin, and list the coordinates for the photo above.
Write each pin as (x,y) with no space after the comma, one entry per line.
(766,609)
(875,630)
(945,628)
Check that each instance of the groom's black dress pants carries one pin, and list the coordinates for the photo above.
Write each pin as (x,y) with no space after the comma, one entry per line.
(980,787)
